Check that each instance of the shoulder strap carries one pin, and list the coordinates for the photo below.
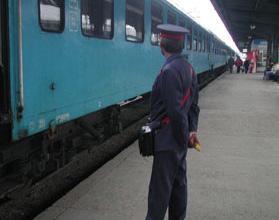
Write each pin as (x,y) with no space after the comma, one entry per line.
(188,91)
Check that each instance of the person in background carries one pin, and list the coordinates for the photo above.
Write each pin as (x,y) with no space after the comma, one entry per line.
(231,63)
(238,64)
(246,65)
(268,71)
(174,104)
(251,67)
(273,74)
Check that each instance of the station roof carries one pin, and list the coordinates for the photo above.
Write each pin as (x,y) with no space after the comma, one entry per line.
(249,19)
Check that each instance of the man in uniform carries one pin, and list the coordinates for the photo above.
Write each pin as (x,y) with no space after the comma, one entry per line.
(174,104)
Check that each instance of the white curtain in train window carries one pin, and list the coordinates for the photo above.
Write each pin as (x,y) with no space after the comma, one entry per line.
(97,18)
(52,15)
(135,20)
(156,19)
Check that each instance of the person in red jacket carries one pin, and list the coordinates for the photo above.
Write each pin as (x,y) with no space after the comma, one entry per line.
(238,64)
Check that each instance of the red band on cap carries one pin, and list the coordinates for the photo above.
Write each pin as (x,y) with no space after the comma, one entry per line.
(171,36)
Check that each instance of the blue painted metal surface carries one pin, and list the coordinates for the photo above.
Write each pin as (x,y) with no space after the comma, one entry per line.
(68,75)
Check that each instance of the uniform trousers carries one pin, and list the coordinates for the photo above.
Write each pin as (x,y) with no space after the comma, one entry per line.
(168,186)
(231,68)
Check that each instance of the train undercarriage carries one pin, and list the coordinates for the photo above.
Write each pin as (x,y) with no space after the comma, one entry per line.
(27,161)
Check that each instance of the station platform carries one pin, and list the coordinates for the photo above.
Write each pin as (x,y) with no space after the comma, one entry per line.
(234,177)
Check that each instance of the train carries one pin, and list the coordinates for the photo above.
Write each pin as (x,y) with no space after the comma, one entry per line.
(62,62)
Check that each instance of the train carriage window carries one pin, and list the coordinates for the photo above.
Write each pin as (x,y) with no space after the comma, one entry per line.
(203,43)
(171,17)
(135,20)
(195,41)
(97,18)
(195,44)
(52,15)
(189,37)
(199,42)
(208,44)
(181,22)
(157,18)
(214,47)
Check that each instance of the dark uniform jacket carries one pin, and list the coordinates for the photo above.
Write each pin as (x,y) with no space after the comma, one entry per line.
(174,104)
(231,61)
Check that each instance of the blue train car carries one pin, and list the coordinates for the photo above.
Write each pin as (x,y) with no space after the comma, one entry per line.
(64,59)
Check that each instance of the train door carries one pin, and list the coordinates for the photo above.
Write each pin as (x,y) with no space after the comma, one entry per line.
(4,74)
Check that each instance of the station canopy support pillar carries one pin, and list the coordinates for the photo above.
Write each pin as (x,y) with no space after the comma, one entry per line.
(268,52)
(275,48)
(272,48)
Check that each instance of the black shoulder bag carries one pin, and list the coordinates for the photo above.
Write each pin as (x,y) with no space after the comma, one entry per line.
(146,138)
(146,141)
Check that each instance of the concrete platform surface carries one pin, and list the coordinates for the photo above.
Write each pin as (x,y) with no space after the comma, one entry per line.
(235,177)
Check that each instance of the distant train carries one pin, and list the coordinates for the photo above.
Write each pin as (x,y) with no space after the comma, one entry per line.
(64,60)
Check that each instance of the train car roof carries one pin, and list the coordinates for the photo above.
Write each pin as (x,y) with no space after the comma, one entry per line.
(175,7)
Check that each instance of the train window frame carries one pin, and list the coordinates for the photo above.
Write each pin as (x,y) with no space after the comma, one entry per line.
(203,42)
(169,14)
(208,44)
(94,35)
(62,19)
(143,24)
(214,47)
(182,23)
(199,41)
(195,40)
(189,37)
(158,5)
(195,44)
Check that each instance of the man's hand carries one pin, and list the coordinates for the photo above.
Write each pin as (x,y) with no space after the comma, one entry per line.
(194,141)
